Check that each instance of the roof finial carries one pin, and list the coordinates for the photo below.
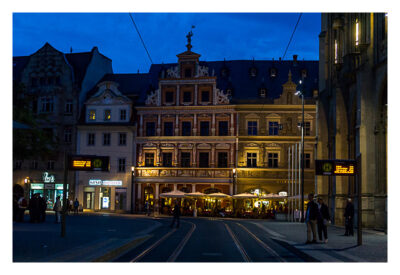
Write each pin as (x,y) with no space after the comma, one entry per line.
(290,76)
(189,38)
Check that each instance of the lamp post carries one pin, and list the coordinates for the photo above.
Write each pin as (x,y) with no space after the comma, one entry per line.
(300,93)
(234,185)
(133,190)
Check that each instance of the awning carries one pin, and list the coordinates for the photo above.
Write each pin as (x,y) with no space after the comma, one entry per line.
(195,195)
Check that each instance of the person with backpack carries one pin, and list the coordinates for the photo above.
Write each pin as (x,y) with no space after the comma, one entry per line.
(76,206)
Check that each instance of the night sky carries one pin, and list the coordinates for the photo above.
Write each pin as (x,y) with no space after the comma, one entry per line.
(233,36)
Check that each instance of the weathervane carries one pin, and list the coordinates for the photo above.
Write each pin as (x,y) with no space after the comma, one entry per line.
(189,38)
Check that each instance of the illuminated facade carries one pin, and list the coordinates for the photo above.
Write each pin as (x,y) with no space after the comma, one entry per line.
(222,126)
(352,110)
(55,84)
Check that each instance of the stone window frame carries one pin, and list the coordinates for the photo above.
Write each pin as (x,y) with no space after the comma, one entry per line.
(150,151)
(209,152)
(273,150)
(104,138)
(119,139)
(89,143)
(252,151)
(190,157)
(273,118)
(145,127)
(90,114)
(217,157)
(217,121)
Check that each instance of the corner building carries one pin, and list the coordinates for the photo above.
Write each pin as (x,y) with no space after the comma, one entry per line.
(221,126)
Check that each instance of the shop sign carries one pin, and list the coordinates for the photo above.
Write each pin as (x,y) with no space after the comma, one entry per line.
(49,186)
(37,185)
(335,167)
(60,186)
(105,182)
(48,178)
(282,194)
(106,202)
(89,163)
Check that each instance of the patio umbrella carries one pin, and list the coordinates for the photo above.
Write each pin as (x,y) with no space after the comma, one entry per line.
(173,194)
(195,196)
(245,196)
(218,195)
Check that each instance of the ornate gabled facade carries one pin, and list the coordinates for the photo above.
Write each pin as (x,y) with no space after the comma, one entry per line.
(54,82)
(186,134)
(107,129)
(352,110)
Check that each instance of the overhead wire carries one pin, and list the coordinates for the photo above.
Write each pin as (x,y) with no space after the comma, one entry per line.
(290,40)
(144,45)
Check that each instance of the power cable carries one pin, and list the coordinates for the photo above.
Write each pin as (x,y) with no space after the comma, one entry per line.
(295,27)
(144,45)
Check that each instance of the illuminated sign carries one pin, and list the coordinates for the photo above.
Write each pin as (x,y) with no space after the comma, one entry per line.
(96,182)
(47,178)
(89,163)
(335,167)
(105,202)
(282,194)
(37,185)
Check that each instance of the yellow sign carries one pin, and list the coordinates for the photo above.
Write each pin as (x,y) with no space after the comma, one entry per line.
(81,163)
(340,169)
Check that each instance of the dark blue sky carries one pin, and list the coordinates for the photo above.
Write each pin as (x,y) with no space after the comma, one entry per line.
(216,36)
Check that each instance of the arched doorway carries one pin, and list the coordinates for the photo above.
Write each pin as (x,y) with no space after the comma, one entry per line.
(149,196)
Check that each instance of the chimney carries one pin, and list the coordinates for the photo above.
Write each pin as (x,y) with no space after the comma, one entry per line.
(280,58)
(295,59)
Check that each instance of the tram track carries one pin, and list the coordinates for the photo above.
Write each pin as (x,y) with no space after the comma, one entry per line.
(178,250)
(239,246)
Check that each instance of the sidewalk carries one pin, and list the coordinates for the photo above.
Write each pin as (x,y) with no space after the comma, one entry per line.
(338,249)
(88,237)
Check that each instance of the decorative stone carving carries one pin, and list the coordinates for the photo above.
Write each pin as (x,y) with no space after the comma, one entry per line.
(203,71)
(221,97)
(272,145)
(204,146)
(185,146)
(153,98)
(251,145)
(173,72)
(222,146)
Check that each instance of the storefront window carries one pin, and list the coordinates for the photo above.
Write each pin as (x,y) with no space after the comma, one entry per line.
(149,195)
(120,198)
(105,198)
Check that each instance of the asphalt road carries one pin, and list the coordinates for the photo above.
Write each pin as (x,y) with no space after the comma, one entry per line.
(212,240)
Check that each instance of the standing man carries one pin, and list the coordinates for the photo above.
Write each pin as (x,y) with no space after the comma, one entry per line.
(43,207)
(176,212)
(348,216)
(311,219)
(57,209)
(323,219)
(76,206)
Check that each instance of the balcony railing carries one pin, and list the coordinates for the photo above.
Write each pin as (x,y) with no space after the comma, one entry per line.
(184,172)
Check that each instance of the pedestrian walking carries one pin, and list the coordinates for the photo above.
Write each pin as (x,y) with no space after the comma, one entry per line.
(42,209)
(147,206)
(348,218)
(176,213)
(22,205)
(76,206)
(311,219)
(323,220)
(57,209)
(34,208)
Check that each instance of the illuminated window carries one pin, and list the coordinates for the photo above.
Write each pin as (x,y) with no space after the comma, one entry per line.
(251,159)
(149,159)
(106,139)
(107,114)
(91,140)
(121,165)
(336,51)
(273,160)
(252,128)
(92,114)
(122,139)
(357,32)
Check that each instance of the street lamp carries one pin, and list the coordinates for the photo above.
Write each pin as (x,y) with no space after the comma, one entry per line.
(301,94)
(133,189)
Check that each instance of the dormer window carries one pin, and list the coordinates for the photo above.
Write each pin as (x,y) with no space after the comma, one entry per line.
(263,92)
(188,72)
(107,115)
(273,72)
(253,72)
(224,72)
(304,73)
(92,115)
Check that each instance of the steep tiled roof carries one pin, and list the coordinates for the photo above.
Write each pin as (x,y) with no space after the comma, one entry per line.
(246,87)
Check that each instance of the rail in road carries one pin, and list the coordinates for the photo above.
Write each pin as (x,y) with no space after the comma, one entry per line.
(213,240)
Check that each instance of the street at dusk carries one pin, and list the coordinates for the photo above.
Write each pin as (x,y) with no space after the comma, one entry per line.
(259,139)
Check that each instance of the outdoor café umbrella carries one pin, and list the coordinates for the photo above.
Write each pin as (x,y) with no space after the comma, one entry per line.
(195,195)
(173,194)
(218,195)
(244,196)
